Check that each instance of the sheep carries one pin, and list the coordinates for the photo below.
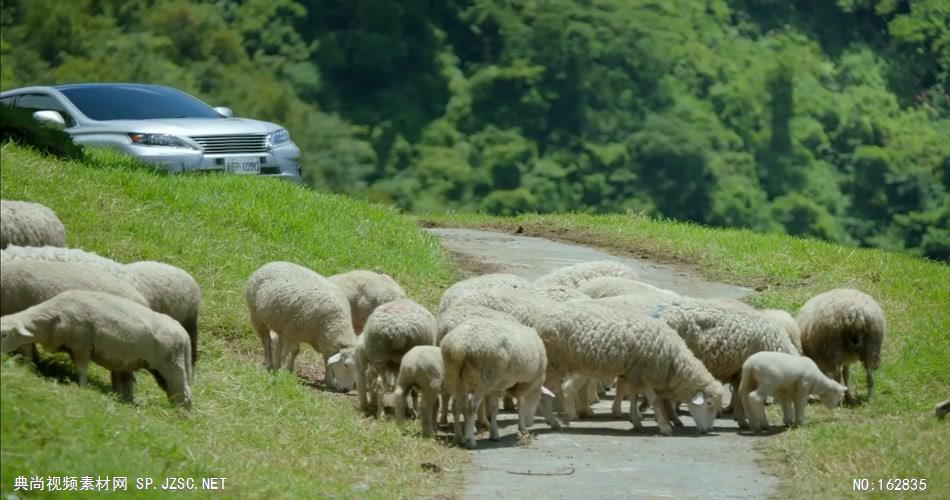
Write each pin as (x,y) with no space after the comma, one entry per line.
(559,293)
(422,371)
(29,224)
(840,327)
(788,323)
(483,358)
(366,290)
(523,304)
(167,289)
(478,283)
(601,342)
(299,306)
(114,332)
(391,330)
(573,276)
(790,378)
(724,337)
(24,284)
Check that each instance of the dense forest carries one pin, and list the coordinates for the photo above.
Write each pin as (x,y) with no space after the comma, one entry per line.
(828,118)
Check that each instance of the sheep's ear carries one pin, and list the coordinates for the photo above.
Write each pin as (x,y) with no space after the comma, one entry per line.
(335,358)
(699,398)
(546,392)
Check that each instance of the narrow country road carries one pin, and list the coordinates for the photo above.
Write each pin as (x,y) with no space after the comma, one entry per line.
(601,457)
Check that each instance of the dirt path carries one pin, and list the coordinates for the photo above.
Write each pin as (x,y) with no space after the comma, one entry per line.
(601,457)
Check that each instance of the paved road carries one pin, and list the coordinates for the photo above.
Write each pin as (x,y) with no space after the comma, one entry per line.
(601,457)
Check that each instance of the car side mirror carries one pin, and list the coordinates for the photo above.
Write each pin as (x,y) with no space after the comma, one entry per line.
(50,118)
(224,111)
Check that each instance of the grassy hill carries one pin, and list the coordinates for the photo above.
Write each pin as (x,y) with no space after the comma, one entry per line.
(896,435)
(270,436)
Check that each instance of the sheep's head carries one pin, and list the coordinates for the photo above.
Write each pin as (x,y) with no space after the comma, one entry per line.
(341,370)
(703,406)
(13,335)
(832,396)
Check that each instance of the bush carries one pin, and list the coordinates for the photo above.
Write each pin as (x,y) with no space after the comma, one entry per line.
(18,125)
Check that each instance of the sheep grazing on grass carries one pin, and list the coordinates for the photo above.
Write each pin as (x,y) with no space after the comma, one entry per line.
(299,306)
(29,224)
(24,284)
(575,275)
(485,358)
(166,289)
(421,372)
(391,331)
(586,338)
(366,290)
(723,337)
(111,331)
(840,327)
(790,379)
(494,280)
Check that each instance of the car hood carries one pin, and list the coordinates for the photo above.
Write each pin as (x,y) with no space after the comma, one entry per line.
(184,126)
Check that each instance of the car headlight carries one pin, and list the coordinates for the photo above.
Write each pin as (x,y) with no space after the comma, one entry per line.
(171,141)
(278,137)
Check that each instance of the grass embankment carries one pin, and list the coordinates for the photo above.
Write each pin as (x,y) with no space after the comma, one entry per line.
(270,436)
(896,435)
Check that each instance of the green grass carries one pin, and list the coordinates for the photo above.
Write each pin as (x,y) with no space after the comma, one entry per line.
(270,436)
(896,435)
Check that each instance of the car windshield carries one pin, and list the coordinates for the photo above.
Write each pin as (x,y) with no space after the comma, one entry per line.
(117,102)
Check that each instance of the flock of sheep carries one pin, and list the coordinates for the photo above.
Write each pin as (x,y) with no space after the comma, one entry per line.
(560,339)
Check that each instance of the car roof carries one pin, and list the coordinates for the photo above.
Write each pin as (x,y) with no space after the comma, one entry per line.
(68,86)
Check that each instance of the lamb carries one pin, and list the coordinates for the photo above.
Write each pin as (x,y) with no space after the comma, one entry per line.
(167,289)
(24,284)
(573,276)
(29,224)
(483,358)
(723,338)
(111,331)
(391,331)
(790,379)
(366,290)
(299,306)
(478,283)
(840,327)
(422,371)
(601,342)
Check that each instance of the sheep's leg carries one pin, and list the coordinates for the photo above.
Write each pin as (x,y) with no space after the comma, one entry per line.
(743,399)
(846,380)
(659,413)
(788,412)
(801,401)
(547,410)
(428,411)
(527,406)
(379,391)
(492,407)
(415,402)
(619,395)
(569,398)
(634,415)
(292,355)
(265,335)
(457,403)
(869,375)
(757,417)
(482,422)
(81,362)
(471,407)
(122,383)
(444,420)
(400,410)
(670,409)
(361,389)
(587,394)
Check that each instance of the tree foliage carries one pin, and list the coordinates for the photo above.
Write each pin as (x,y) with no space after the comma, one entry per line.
(827,119)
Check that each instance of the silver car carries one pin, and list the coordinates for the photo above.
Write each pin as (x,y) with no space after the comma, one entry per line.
(162,125)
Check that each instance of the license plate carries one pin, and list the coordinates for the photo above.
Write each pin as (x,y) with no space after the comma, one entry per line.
(250,165)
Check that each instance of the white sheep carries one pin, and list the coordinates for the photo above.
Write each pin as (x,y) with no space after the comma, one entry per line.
(559,293)
(788,323)
(524,304)
(790,378)
(29,224)
(167,289)
(485,358)
(724,337)
(114,332)
(422,372)
(573,276)
(391,330)
(457,315)
(366,290)
(484,281)
(840,327)
(299,306)
(590,339)
(24,284)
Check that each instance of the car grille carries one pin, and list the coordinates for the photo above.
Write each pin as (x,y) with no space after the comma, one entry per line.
(228,144)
